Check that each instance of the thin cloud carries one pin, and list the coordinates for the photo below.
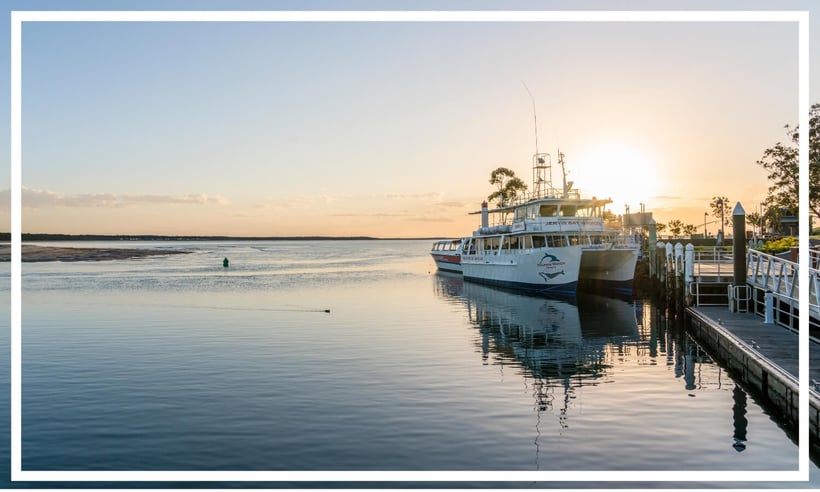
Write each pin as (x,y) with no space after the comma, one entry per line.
(432,195)
(379,214)
(451,204)
(34,198)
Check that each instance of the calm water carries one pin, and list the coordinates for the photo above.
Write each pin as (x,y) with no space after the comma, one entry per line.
(177,363)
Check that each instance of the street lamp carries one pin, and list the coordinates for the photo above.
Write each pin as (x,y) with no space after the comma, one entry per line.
(720,201)
(705,234)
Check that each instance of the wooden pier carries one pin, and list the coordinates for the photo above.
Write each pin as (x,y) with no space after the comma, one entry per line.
(763,358)
(728,321)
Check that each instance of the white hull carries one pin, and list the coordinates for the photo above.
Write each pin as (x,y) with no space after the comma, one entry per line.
(544,270)
(615,266)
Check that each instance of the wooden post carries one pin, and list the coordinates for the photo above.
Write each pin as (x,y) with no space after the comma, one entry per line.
(739,253)
(739,244)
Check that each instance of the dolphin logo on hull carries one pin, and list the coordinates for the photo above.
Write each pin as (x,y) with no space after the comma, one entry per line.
(552,259)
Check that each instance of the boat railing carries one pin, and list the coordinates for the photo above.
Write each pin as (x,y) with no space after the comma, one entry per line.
(545,193)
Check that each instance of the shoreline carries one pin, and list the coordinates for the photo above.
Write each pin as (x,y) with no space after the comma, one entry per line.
(34,253)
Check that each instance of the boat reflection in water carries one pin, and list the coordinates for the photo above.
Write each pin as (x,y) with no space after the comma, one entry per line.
(552,339)
(560,347)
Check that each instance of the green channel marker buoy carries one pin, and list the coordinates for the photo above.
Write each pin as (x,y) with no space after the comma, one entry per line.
(225,263)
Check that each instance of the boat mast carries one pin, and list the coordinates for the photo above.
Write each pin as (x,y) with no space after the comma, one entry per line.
(563,173)
(534,116)
(542,175)
(541,163)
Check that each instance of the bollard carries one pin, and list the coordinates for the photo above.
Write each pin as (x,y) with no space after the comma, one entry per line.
(669,273)
(660,270)
(653,238)
(659,249)
(679,259)
(225,263)
(768,309)
(689,262)
(689,269)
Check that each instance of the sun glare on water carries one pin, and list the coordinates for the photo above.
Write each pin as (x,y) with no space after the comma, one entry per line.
(615,171)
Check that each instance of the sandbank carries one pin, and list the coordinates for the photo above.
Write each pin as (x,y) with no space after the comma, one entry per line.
(32,253)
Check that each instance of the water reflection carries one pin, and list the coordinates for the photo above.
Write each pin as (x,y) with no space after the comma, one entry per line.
(557,342)
(561,346)
(739,419)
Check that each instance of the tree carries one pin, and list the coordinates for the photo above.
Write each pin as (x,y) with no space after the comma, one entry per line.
(675,227)
(756,220)
(689,229)
(781,161)
(509,186)
(724,210)
(660,227)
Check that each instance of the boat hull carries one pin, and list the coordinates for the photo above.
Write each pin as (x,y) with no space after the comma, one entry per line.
(447,254)
(551,271)
(610,270)
(449,263)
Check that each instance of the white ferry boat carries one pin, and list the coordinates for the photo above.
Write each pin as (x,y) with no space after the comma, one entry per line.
(447,254)
(549,241)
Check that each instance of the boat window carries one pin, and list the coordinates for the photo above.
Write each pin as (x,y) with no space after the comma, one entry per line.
(538,242)
(555,241)
(573,241)
(519,213)
(526,242)
(491,245)
(569,211)
(511,243)
(470,247)
(548,210)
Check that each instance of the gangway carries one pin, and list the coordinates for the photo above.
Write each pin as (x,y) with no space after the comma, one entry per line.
(770,274)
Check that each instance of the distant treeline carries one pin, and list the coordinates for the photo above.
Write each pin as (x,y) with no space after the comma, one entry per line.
(6,236)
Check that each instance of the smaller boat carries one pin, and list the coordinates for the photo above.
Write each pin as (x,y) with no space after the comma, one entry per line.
(447,254)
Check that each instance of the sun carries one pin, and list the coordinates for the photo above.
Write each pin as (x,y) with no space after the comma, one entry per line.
(614,170)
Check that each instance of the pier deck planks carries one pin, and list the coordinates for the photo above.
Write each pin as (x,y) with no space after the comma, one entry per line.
(774,342)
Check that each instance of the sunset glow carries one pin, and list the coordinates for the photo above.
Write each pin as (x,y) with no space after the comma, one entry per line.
(617,171)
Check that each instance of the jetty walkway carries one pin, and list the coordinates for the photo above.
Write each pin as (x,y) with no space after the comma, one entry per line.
(750,327)
(773,343)
(764,357)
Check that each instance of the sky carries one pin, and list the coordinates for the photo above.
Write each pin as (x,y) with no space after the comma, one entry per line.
(388,129)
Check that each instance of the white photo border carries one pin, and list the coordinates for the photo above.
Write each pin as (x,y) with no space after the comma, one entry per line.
(19,17)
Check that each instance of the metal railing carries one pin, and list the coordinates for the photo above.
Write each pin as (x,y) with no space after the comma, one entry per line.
(704,294)
(714,262)
(781,278)
(772,274)
(772,282)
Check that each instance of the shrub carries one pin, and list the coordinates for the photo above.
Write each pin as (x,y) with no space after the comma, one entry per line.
(774,246)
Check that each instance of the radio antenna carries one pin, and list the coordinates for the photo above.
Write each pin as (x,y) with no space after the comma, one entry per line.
(534,116)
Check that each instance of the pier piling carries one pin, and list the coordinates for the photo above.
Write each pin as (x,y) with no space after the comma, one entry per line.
(739,244)
(740,294)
